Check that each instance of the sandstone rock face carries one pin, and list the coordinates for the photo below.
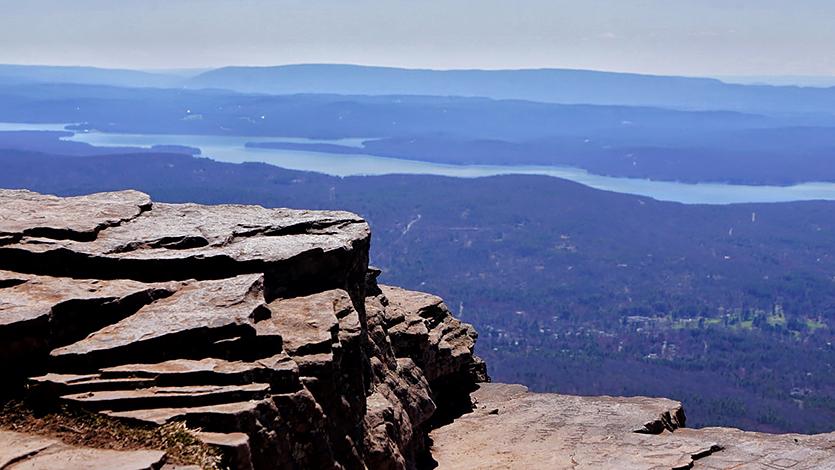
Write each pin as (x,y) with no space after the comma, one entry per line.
(296,251)
(514,429)
(24,213)
(262,327)
(38,313)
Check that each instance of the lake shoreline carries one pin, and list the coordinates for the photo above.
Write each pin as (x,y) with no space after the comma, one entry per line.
(350,161)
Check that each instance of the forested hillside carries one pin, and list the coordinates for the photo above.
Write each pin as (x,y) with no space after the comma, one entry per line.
(728,308)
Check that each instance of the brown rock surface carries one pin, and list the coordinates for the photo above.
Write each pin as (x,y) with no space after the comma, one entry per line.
(235,445)
(759,451)
(208,417)
(24,213)
(307,324)
(422,328)
(38,313)
(20,451)
(514,429)
(197,314)
(248,323)
(296,250)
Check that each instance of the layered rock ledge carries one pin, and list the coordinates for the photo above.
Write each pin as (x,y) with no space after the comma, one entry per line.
(264,328)
(512,428)
(266,331)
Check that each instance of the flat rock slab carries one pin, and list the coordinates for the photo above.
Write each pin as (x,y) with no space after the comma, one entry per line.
(514,429)
(198,313)
(20,451)
(179,241)
(15,446)
(71,383)
(208,365)
(222,413)
(244,233)
(26,297)
(760,451)
(158,397)
(25,213)
(278,369)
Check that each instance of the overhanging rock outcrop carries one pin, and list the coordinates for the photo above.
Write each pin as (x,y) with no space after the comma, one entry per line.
(265,328)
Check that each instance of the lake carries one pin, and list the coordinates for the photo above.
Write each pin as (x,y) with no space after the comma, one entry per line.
(232,149)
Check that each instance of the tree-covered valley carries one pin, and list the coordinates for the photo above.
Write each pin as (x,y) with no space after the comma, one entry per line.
(728,308)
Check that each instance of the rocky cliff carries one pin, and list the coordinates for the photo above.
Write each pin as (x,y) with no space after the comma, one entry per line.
(265,331)
(263,328)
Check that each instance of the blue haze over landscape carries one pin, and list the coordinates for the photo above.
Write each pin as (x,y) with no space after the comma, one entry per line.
(624,197)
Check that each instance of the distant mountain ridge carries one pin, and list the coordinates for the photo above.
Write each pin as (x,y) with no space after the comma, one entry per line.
(543,85)
(565,86)
(19,74)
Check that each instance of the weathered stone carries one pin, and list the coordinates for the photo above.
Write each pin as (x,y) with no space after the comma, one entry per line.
(15,447)
(38,313)
(383,426)
(303,438)
(552,431)
(234,446)
(185,324)
(19,451)
(252,321)
(231,416)
(169,397)
(397,417)
(423,329)
(557,432)
(279,371)
(298,251)
(760,451)
(64,384)
(308,325)
(27,214)
(322,332)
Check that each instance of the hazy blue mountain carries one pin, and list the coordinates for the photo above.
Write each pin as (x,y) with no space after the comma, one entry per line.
(169,111)
(819,81)
(15,74)
(546,85)
(542,85)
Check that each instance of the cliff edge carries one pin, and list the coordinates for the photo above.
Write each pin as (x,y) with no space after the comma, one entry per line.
(512,428)
(263,328)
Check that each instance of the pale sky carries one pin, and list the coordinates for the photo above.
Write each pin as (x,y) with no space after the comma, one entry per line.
(686,37)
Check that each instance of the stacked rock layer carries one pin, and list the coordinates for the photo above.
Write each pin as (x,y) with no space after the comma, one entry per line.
(264,328)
